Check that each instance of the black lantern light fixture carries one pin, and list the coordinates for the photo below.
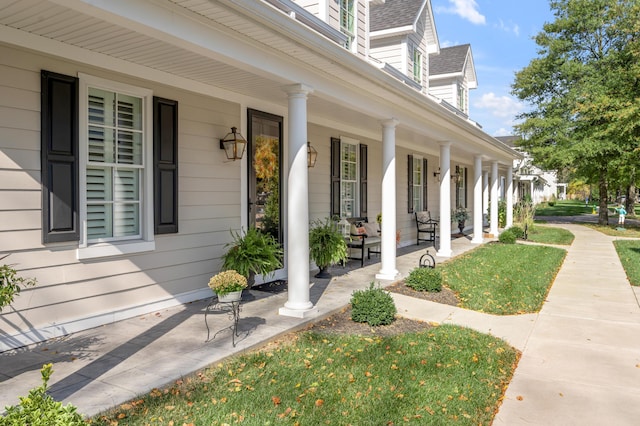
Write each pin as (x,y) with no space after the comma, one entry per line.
(312,155)
(436,174)
(233,145)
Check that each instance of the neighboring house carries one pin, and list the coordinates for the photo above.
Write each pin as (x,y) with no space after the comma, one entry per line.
(116,195)
(531,181)
(451,75)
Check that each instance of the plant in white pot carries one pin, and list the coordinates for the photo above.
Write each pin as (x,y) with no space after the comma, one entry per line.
(326,245)
(251,253)
(228,285)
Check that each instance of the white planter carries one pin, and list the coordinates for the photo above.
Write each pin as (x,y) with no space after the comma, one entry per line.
(234,296)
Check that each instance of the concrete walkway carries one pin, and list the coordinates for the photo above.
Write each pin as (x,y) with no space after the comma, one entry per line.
(580,363)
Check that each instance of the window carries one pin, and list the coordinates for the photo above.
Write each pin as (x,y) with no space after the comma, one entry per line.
(347,21)
(348,178)
(417,168)
(462,102)
(115,165)
(109,165)
(461,186)
(417,65)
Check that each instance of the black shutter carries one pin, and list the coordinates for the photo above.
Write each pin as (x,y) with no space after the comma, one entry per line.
(424,185)
(59,157)
(165,165)
(335,177)
(466,186)
(363,180)
(410,183)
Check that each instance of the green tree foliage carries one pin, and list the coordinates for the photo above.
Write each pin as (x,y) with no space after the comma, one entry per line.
(583,89)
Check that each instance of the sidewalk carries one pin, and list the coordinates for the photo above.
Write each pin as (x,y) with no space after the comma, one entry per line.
(580,362)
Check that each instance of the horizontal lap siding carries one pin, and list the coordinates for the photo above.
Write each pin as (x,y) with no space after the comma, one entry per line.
(70,290)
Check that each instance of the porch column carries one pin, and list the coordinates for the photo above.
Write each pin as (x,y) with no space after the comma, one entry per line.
(485,193)
(445,200)
(477,200)
(494,199)
(298,303)
(388,269)
(509,195)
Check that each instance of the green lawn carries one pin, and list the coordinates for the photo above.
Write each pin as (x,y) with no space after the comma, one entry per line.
(629,254)
(632,231)
(445,375)
(564,208)
(550,235)
(504,279)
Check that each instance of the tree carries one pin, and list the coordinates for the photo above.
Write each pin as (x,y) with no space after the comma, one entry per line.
(583,89)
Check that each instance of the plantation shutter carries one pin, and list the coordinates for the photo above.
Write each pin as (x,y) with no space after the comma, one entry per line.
(335,177)
(165,162)
(59,157)
(410,183)
(424,184)
(363,180)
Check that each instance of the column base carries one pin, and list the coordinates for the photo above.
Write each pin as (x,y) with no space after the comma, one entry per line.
(298,313)
(387,275)
(444,253)
(477,240)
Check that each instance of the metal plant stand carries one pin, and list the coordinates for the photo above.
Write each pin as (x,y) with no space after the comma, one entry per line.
(232,309)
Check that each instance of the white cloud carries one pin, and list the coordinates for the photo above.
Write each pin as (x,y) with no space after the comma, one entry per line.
(466,9)
(510,27)
(503,132)
(499,106)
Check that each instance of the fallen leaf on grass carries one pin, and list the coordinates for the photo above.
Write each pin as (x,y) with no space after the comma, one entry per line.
(519,398)
(276,400)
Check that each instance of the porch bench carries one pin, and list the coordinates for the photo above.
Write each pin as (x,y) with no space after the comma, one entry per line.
(363,236)
(426,225)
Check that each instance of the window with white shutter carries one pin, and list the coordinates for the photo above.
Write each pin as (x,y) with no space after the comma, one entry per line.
(115,167)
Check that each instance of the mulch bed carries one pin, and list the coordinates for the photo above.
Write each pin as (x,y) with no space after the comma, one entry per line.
(341,322)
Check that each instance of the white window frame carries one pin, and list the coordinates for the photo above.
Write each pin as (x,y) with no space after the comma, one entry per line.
(418,189)
(351,33)
(344,141)
(461,188)
(127,245)
(417,64)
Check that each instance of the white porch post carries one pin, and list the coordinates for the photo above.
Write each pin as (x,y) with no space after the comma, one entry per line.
(298,303)
(509,194)
(388,269)
(477,200)
(485,193)
(445,200)
(494,199)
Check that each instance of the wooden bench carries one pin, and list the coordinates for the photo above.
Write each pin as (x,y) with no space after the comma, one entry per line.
(426,225)
(360,238)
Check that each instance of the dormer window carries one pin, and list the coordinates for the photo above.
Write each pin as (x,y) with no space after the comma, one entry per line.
(347,21)
(417,65)
(462,101)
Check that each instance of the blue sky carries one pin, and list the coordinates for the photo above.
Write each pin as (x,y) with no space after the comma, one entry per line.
(500,33)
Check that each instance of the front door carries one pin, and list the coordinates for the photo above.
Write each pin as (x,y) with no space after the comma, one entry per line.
(265,174)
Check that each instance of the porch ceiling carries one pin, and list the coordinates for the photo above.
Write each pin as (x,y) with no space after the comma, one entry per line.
(221,44)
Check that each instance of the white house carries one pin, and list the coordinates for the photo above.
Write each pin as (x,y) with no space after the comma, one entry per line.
(115,193)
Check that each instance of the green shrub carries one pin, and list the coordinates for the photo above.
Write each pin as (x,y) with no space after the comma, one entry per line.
(425,279)
(517,231)
(10,284)
(373,306)
(39,409)
(551,203)
(507,237)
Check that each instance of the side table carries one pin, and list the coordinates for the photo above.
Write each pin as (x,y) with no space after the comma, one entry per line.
(232,309)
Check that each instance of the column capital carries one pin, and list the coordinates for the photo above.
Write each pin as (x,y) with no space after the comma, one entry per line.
(444,143)
(297,89)
(389,122)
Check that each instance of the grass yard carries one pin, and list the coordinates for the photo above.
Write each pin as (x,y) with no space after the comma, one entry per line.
(629,230)
(629,254)
(550,235)
(564,208)
(504,279)
(444,375)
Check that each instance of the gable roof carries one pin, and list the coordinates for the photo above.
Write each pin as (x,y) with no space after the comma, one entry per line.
(394,14)
(450,60)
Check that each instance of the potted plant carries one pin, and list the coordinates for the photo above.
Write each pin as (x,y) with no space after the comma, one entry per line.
(251,253)
(326,246)
(228,285)
(460,215)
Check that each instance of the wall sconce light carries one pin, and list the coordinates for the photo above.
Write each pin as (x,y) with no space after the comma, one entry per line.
(233,145)
(312,155)
(436,174)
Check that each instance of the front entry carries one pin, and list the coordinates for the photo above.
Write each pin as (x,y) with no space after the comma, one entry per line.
(265,172)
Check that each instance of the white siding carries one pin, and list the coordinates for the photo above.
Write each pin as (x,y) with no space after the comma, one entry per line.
(69,290)
(389,51)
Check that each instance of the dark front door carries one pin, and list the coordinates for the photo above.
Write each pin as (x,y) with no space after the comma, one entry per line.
(265,175)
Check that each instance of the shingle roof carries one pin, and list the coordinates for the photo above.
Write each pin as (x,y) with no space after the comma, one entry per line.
(450,60)
(393,14)
(509,140)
